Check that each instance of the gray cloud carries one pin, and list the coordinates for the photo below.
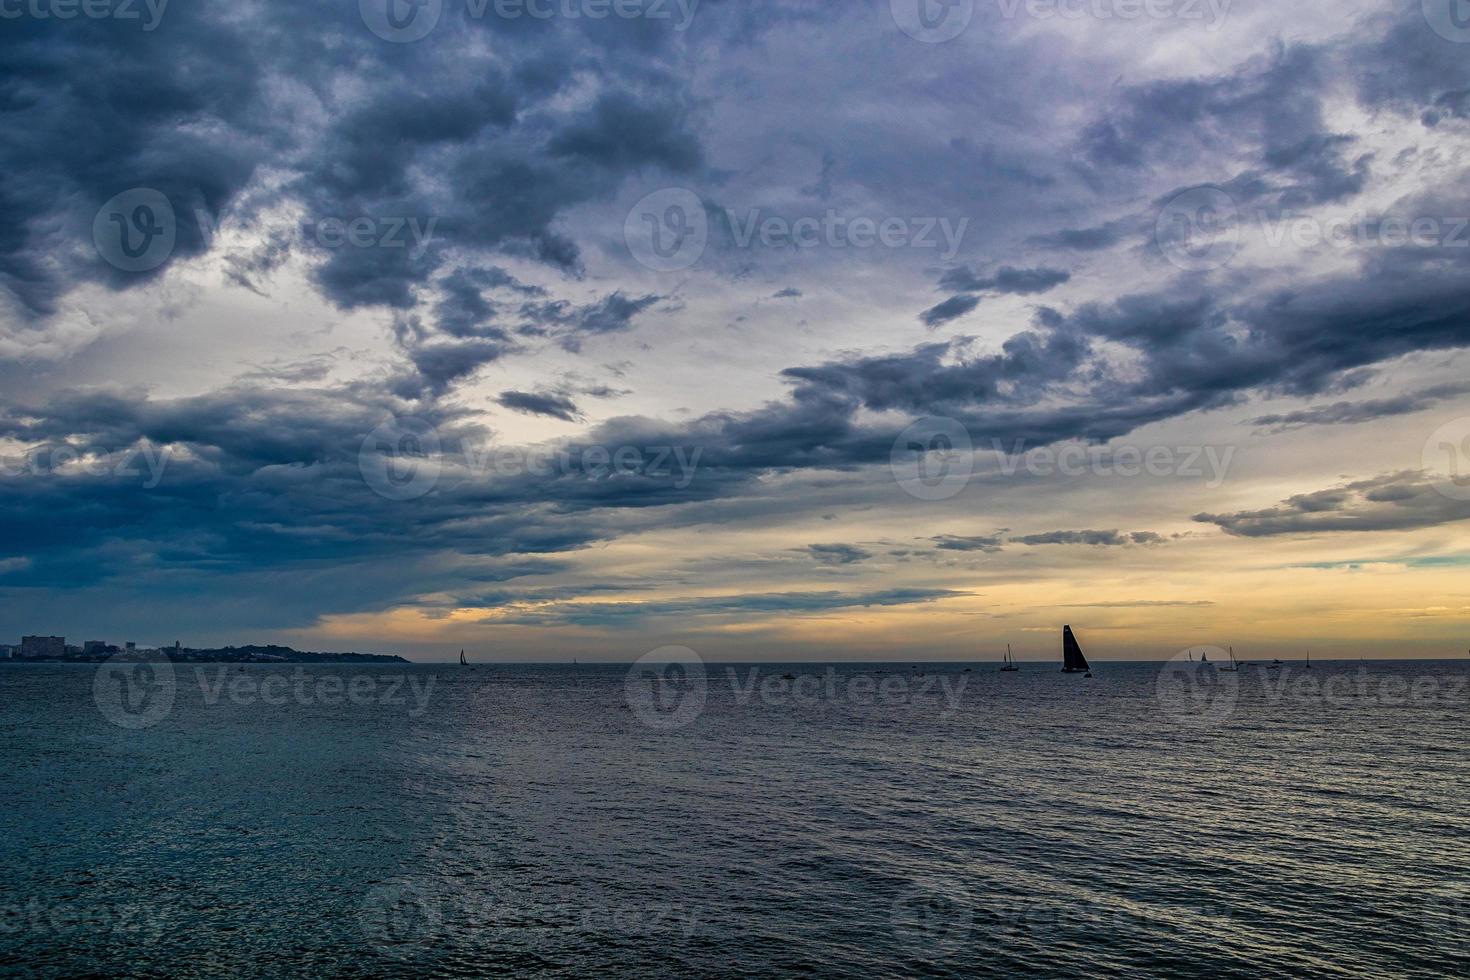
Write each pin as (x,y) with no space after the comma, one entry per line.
(1394,502)
(951,309)
(838,554)
(540,403)
(1356,413)
(989,544)
(1102,539)
(1021,282)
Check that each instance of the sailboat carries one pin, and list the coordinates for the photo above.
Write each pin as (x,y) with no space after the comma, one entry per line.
(1073,662)
(462,661)
(1010,666)
(1204,656)
(1309,660)
(1234,667)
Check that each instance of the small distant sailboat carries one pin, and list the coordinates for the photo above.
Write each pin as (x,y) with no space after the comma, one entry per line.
(462,661)
(1234,667)
(1204,656)
(1309,661)
(1073,662)
(1010,667)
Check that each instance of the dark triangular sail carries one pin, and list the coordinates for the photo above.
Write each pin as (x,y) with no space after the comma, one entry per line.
(1072,659)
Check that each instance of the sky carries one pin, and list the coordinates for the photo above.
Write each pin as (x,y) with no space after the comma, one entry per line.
(775,329)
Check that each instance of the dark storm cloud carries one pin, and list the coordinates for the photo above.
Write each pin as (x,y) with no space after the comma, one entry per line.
(473,147)
(1395,502)
(1271,110)
(1302,340)
(542,403)
(1355,413)
(1098,539)
(1269,113)
(251,482)
(95,108)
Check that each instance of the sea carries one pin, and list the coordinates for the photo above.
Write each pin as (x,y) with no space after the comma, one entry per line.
(680,818)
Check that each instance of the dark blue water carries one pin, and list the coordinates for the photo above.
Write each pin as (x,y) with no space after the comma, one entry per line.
(351,821)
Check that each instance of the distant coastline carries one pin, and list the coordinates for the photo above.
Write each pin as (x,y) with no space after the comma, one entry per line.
(251,654)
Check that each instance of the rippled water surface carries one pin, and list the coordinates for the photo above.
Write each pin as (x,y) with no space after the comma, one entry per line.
(350,821)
